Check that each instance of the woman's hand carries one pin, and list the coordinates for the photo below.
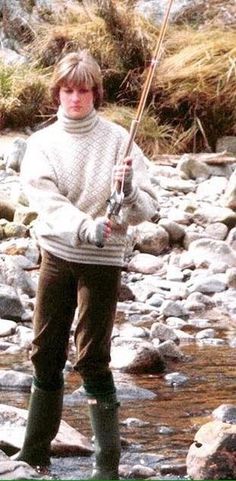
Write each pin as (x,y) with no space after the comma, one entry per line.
(98,231)
(124,171)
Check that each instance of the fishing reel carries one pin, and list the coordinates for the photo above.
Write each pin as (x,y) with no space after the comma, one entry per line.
(114,204)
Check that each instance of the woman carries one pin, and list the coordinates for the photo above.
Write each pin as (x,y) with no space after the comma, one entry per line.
(68,172)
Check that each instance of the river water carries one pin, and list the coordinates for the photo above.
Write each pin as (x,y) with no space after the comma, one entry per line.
(170,421)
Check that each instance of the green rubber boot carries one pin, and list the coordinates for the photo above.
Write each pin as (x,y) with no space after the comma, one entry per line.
(43,422)
(105,425)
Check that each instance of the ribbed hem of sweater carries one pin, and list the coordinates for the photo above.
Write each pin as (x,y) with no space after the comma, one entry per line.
(109,255)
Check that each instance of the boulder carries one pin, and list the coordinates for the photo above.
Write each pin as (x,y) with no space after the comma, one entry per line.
(212,454)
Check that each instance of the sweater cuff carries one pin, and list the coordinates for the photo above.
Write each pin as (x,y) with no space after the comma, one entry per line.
(132,197)
(83,231)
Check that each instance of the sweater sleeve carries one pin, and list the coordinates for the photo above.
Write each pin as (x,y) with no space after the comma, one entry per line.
(142,204)
(57,216)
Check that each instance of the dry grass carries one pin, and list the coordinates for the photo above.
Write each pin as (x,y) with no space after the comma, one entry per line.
(24,97)
(153,138)
(199,63)
(192,99)
(197,81)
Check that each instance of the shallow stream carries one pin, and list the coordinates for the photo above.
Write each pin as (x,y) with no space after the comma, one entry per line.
(171,419)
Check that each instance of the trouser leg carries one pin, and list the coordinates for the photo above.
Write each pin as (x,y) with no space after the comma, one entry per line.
(54,312)
(97,297)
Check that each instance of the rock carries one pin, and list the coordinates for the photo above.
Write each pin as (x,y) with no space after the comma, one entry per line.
(25,247)
(137,358)
(225,413)
(10,57)
(231,239)
(24,215)
(125,392)
(24,337)
(231,277)
(208,284)
(16,275)
(190,168)
(173,308)
(229,198)
(151,238)
(135,422)
(145,263)
(206,333)
(68,441)
(10,303)
(217,231)
(212,454)
(163,332)
(16,21)
(176,378)
(7,328)
(227,143)
(126,294)
(138,471)
(176,232)
(206,252)
(210,214)
(16,470)
(12,229)
(178,185)
(15,153)
(155,11)
(211,190)
(7,209)
(169,350)
(15,380)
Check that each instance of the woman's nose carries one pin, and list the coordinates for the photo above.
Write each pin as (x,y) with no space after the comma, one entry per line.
(76,95)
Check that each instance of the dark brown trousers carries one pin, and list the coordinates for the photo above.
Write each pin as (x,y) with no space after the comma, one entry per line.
(62,287)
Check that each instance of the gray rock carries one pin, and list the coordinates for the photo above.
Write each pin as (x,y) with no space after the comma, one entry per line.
(190,168)
(151,238)
(10,303)
(173,308)
(176,232)
(163,332)
(15,154)
(212,454)
(10,57)
(176,378)
(137,358)
(15,380)
(68,441)
(225,413)
(7,328)
(16,470)
(206,252)
(208,284)
(227,143)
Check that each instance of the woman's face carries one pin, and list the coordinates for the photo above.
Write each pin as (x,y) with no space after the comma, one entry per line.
(77,102)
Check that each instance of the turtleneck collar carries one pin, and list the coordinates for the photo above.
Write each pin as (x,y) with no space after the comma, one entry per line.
(78,126)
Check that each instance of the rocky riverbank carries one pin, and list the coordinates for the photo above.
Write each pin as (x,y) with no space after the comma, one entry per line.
(179,270)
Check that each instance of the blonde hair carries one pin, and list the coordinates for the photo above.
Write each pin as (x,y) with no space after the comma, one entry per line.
(78,68)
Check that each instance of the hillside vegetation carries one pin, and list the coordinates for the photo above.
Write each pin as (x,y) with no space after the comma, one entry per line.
(192,100)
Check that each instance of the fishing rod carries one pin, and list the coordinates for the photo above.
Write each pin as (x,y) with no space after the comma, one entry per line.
(116,199)
(117,196)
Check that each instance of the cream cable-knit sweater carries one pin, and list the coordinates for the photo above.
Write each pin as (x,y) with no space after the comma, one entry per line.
(67,176)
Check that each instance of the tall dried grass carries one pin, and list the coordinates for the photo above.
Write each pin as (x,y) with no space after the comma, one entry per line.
(197,80)
(192,97)
(24,96)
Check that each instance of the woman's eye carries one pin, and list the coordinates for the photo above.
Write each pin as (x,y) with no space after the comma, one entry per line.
(83,91)
(67,90)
